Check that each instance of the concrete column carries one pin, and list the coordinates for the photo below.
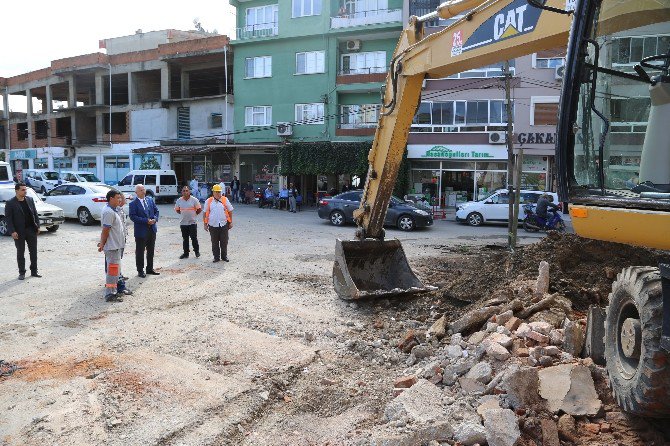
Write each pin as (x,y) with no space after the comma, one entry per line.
(49,105)
(184,85)
(99,89)
(5,114)
(132,93)
(99,127)
(29,117)
(73,128)
(165,83)
(72,94)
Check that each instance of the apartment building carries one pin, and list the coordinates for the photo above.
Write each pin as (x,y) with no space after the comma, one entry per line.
(160,99)
(308,71)
(457,144)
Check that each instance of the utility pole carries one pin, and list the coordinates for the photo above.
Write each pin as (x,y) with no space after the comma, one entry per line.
(513,210)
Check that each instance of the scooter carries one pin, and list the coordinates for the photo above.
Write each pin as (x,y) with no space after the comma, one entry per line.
(533,223)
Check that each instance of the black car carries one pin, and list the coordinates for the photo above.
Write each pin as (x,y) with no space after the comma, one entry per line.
(405,216)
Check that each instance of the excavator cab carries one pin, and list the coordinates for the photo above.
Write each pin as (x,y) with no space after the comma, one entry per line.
(613,159)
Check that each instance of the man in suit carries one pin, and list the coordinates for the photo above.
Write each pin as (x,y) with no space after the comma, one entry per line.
(23,224)
(144,214)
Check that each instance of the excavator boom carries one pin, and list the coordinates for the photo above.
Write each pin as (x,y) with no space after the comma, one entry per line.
(491,31)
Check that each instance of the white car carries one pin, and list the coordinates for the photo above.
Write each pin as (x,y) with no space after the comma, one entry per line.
(83,201)
(50,216)
(79,176)
(495,207)
(41,180)
(160,184)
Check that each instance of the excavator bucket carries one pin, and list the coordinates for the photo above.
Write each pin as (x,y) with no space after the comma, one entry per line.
(373,268)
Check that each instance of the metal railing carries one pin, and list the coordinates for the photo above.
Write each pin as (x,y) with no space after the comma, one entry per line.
(371,70)
(347,19)
(257,31)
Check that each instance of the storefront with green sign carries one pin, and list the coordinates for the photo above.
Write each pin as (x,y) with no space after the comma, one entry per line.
(450,175)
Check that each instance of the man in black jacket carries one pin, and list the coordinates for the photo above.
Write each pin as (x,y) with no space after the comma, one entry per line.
(24,224)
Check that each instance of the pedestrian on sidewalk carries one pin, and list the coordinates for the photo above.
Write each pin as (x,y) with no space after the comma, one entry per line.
(292,196)
(23,224)
(235,187)
(218,221)
(194,188)
(189,208)
(144,214)
(112,242)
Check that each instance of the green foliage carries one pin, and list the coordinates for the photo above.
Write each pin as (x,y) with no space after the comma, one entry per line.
(149,162)
(324,157)
(2,156)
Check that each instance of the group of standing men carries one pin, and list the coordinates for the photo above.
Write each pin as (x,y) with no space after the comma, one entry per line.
(143,212)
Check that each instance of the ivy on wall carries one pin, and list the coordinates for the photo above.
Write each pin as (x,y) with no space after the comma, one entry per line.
(336,158)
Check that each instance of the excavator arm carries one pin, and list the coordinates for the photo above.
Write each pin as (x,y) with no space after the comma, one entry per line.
(490,31)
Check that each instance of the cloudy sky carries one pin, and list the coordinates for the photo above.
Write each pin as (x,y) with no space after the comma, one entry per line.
(42,30)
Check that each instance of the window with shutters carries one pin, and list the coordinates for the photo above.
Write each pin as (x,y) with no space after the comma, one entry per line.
(544,110)
(184,123)
(310,62)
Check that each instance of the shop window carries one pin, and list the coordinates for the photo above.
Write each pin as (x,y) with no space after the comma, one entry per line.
(87,163)
(544,110)
(116,167)
(41,163)
(62,164)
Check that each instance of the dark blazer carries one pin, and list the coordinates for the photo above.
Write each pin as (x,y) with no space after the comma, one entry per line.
(141,219)
(16,220)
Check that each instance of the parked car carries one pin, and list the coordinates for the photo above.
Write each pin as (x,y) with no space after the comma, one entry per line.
(79,176)
(403,215)
(41,180)
(495,207)
(83,201)
(160,184)
(51,217)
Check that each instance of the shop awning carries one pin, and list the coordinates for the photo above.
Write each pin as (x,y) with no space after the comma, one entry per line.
(200,149)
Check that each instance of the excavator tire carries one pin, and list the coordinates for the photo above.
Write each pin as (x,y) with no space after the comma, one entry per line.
(638,368)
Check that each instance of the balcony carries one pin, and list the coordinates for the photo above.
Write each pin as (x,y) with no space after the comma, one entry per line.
(258,31)
(364,18)
(361,75)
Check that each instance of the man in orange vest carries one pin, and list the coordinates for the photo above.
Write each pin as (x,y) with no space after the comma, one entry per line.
(218,220)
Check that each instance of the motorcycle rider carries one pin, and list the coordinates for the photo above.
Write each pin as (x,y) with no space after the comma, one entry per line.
(543,204)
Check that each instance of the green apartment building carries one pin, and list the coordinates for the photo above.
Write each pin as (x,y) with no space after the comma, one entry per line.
(308,71)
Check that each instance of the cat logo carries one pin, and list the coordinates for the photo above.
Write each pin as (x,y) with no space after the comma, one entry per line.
(513,20)
(509,24)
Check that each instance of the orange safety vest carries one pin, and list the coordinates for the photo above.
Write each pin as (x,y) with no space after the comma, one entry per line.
(208,207)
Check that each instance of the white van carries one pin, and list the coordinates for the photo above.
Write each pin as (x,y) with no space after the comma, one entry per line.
(79,176)
(41,180)
(6,173)
(160,184)
(495,207)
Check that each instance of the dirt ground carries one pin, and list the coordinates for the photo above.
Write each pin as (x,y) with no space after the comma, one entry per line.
(258,351)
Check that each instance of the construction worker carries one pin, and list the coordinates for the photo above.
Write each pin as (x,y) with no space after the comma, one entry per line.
(218,220)
(112,242)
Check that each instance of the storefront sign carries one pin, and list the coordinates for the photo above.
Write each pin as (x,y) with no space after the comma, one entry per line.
(462,152)
(536,138)
(22,154)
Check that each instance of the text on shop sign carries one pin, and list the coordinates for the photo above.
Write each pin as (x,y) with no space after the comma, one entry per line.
(444,152)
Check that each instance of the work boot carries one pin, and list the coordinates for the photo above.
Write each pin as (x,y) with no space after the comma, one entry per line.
(184,256)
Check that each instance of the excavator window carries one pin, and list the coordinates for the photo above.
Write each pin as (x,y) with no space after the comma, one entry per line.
(614,114)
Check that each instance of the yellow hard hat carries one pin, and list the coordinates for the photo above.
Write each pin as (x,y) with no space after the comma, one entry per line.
(216,188)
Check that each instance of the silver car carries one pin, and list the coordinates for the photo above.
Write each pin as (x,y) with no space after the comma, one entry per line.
(51,217)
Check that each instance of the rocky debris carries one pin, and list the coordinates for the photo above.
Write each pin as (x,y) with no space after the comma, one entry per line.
(421,351)
(538,337)
(476,318)
(550,433)
(503,318)
(502,427)
(573,338)
(513,323)
(405,382)
(497,351)
(522,388)
(478,337)
(454,351)
(408,342)
(439,328)
(488,402)
(420,403)
(542,284)
(541,327)
(499,338)
(481,372)
(469,434)
(569,388)
(470,386)
(567,428)
(419,434)
(556,337)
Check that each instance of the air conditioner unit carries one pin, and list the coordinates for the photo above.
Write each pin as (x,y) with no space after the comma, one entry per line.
(497,137)
(68,152)
(559,72)
(353,45)
(284,129)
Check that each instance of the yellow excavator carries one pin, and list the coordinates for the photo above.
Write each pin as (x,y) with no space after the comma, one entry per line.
(612,156)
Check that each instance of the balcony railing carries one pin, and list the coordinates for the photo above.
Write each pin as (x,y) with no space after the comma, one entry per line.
(257,31)
(346,19)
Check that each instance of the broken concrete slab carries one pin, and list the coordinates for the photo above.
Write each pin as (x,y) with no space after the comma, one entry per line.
(440,431)
(522,387)
(497,351)
(573,338)
(470,386)
(477,337)
(502,427)
(470,434)
(439,328)
(488,402)
(421,403)
(481,372)
(569,388)
(499,338)
(542,284)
